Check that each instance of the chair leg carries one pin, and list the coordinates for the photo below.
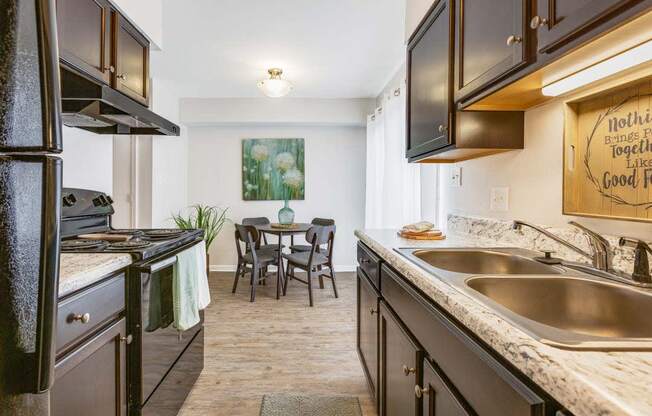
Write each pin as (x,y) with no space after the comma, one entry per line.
(321,278)
(255,279)
(287,279)
(237,276)
(310,285)
(330,268)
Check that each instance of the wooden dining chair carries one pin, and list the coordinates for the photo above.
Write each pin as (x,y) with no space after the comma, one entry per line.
(253,259)
(313,262)
(262,243)
(306,247)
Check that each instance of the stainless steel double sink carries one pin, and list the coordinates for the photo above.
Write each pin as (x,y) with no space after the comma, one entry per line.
(555,304)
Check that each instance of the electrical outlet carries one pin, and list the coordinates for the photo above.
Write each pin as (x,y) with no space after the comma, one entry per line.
(455,179)
(499,199)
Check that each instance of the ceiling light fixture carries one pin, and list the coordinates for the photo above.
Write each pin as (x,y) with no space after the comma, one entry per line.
(275,86)
(617,63)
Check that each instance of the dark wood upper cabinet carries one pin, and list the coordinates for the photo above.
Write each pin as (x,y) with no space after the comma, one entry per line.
(400,361)
(97,41)
(93,376)
(131,60)
(439,397)
(492,40)
(367,330)
(429,80)
(559,22)
(84,31)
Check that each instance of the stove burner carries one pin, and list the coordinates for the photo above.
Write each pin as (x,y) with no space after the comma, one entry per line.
(126,232)
(163,234)
(83,244)
(128,245)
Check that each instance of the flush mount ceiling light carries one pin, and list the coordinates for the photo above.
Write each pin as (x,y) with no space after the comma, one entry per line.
(275,86)
(625,60)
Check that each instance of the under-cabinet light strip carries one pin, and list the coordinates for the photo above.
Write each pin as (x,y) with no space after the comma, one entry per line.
(617,63)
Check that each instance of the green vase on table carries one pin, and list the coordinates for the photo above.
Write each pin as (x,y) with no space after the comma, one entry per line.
(286,214)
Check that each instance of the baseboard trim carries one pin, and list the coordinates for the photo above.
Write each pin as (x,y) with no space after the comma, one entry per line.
(231,268)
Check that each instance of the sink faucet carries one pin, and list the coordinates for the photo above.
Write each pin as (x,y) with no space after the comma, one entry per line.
(601,257)
(641,264)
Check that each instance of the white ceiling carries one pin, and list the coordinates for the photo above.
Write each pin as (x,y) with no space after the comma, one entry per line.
(327,48)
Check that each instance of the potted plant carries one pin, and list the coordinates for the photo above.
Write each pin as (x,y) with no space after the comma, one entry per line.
(203,217)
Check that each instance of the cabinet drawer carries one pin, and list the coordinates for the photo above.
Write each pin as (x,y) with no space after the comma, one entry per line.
(487,386)
(369,263)
(82,313)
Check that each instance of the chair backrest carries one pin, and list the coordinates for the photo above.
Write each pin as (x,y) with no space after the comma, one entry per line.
(246,233)
(318,235)
(323,221)
(257,221)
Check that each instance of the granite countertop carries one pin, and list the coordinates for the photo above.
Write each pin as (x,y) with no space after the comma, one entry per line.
(78,270)
(585,382)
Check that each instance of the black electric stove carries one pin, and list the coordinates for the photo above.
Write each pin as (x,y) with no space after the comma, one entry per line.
(164,362)
(89,212)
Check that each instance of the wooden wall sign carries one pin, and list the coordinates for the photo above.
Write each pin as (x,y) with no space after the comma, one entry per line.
(608,155)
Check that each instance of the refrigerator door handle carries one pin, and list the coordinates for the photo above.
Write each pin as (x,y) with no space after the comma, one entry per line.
(50,78)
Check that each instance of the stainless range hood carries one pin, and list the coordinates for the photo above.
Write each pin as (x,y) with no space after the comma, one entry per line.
(100,109)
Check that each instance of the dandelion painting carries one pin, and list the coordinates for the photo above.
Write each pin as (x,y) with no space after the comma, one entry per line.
(272,169)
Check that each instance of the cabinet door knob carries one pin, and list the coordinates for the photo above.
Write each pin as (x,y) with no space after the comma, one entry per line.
(538,21)
(419,392)
(83,318)
(441,128)
(408,370)
(372,310)
(513,40)
(110,68)
(122,77)
(127,339)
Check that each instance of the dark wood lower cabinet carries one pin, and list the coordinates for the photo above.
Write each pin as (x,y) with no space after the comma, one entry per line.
(367,331)
(438,396)
(400,358)
(92,378)
(429,364)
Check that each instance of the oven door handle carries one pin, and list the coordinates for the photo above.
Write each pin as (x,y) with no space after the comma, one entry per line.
(154,267)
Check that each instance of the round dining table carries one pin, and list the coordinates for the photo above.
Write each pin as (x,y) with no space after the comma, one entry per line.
(298,228)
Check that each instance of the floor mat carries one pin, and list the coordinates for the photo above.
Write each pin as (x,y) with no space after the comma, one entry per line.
(309,405)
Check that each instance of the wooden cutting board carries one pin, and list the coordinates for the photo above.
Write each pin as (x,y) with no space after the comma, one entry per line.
(428,235)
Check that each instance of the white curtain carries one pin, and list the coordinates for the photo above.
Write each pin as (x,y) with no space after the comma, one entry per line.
(393,192)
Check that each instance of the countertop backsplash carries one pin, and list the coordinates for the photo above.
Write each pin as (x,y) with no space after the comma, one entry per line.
(502,232)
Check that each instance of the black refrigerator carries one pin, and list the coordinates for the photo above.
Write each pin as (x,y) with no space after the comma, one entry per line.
(30,188)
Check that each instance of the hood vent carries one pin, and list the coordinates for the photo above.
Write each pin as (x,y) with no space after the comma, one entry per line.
(100,109)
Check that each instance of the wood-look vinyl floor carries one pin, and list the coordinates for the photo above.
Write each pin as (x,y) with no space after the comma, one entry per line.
(273,346)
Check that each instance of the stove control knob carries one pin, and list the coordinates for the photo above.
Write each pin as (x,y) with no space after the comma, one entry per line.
(69,200)
(109,200)
(97,201)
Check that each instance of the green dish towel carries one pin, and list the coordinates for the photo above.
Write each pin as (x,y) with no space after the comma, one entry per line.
(190,287)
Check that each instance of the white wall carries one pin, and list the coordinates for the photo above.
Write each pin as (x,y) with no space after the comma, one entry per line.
(414,12)
(87,160)
(334,181)
(147,15)
(274,111)
(534,178)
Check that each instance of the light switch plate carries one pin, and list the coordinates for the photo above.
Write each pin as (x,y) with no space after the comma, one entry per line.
(499,199)
(455,179)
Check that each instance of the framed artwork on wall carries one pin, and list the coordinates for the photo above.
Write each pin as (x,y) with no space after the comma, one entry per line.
(608,154)
(273,169)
